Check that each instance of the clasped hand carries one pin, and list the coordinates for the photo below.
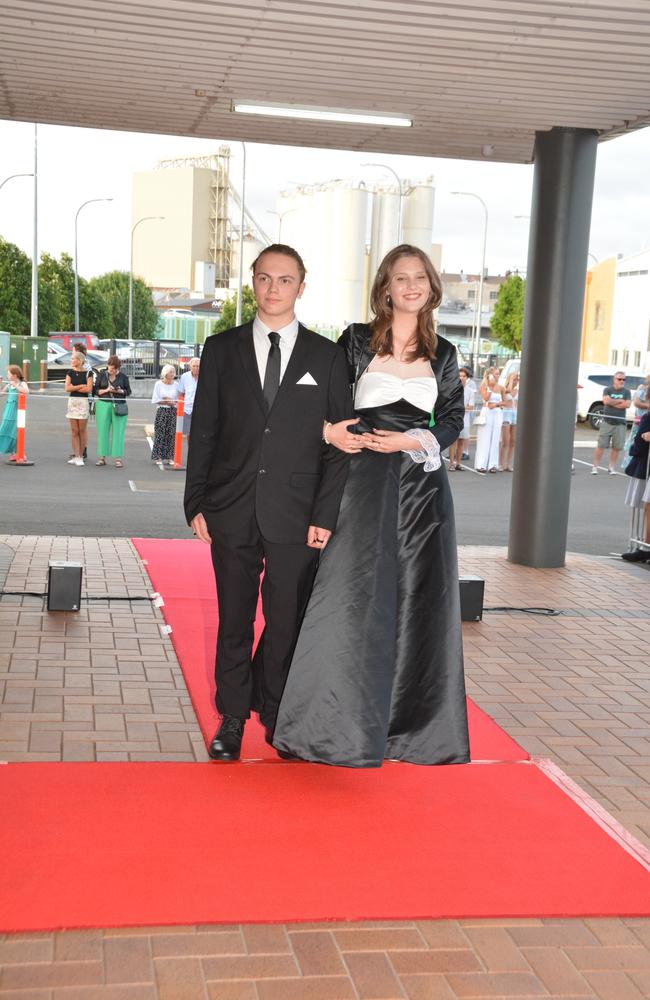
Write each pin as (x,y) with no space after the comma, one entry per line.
(379,440)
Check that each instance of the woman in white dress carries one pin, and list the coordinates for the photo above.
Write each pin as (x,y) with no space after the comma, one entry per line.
(488,437)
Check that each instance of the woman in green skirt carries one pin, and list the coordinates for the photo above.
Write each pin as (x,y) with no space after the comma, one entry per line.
(111,411)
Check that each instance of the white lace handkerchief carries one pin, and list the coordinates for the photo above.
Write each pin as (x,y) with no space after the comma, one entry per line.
(307,379)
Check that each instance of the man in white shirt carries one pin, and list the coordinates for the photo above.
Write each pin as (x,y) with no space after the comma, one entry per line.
(187,391)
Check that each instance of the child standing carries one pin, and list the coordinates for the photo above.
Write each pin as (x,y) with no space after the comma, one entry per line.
(9,423)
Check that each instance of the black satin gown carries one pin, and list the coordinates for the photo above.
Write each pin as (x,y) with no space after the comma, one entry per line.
(377,671)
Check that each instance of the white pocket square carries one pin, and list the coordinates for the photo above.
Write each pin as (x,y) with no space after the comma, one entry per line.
(307,379)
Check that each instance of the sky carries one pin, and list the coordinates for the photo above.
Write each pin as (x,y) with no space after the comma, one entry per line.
(76,164)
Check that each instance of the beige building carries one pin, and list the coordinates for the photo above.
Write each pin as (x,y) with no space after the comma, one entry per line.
(460,291)
(172,253)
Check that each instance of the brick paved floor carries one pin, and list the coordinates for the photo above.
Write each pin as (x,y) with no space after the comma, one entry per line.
(104,684)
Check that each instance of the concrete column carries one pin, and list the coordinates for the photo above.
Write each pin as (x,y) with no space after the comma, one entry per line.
(565,161)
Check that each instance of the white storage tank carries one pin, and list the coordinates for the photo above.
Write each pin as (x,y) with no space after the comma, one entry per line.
(417,214)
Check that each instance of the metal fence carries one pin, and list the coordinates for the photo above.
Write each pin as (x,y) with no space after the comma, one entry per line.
(146,357)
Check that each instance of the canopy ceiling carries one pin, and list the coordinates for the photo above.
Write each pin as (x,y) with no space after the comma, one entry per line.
(472,74)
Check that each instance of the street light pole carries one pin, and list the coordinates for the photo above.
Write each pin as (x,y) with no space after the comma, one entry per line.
(145,218)
(76,264)
(34,317)
(11,177)
(280,217)
(240,276)
(383,166)
(478,312)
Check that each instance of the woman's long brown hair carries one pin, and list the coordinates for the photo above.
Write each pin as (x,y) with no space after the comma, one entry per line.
(381,341)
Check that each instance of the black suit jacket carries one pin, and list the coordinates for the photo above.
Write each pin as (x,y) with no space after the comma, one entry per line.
(245,463)
(449,410)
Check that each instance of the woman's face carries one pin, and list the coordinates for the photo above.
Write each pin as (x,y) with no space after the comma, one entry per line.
(112,371)
(76,362)
(409,286)
(463,377)
(168,378)
(491,379)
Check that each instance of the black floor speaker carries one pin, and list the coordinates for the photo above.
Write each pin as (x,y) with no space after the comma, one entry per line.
(472,589)
(64,586)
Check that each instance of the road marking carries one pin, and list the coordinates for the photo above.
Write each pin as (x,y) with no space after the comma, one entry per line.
(600,467)
(132,486)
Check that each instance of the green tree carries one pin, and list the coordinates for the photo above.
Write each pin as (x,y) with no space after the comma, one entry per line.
(228,316)
(57,276)
(508,316)
(15,289)
(114,290)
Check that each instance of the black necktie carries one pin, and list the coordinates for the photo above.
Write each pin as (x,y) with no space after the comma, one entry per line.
(272,373)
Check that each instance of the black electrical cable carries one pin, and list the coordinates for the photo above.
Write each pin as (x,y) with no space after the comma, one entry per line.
(549,612)
(107,597)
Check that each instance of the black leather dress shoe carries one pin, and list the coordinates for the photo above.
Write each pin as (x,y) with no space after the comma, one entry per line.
(226,744)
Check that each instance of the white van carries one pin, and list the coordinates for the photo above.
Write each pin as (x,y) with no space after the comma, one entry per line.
(592,380)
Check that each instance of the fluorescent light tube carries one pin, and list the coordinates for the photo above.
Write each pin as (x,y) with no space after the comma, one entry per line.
(338,115)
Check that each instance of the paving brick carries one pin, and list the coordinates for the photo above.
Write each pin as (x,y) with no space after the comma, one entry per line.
(128,960)
(26,995)
(442,934)
(265,938)
(208,943)
(496,949)
(612,932)
(497,984)
(180,979)
(16,950)
(316,953)
(613,986)
(610,958)
(373,976)
(250,967)
(379,939)
(319,988)
(232,991)
(556,971)
(78,946)
(460,960)
(419,987)
(51,974)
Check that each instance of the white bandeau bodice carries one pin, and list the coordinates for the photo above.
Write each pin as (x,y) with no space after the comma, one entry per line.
(380,388)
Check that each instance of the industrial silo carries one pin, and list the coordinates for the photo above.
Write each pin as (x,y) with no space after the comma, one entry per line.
(417,214)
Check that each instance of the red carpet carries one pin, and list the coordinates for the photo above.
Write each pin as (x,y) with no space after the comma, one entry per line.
(181,572)
(95,845)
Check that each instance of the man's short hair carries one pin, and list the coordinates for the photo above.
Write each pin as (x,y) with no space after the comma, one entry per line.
(288,252)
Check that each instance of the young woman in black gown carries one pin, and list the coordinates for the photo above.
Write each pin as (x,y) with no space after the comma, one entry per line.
(377,671)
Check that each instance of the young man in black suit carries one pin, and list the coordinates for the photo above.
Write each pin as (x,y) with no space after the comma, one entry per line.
(263,488)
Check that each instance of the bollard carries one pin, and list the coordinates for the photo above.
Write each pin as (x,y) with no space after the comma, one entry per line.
(26,370)
(20,458)
(178,441)
(43,385)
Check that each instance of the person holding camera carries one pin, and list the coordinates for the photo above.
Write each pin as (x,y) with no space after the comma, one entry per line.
(111,412)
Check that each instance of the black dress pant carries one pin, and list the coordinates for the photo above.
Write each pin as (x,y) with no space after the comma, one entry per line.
(238,560)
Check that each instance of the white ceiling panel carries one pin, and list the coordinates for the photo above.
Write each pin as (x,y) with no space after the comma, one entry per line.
(470,74)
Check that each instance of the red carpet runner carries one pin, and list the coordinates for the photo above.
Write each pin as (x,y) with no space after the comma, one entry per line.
(181,572)
(93,845)
(97,845)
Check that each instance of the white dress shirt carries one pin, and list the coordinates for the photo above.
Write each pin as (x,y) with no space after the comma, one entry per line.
(288,335)
(187,385)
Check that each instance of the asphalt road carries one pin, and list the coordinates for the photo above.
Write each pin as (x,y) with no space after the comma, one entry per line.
(54,498)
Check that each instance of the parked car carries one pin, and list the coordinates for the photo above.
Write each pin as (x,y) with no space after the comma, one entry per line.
(67,339)
(123,348)
(592,380)
(129,354)
(59,361)
(176,354)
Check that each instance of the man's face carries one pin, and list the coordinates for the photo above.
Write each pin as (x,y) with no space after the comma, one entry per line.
(194,368)
(277,285)
(619,381)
